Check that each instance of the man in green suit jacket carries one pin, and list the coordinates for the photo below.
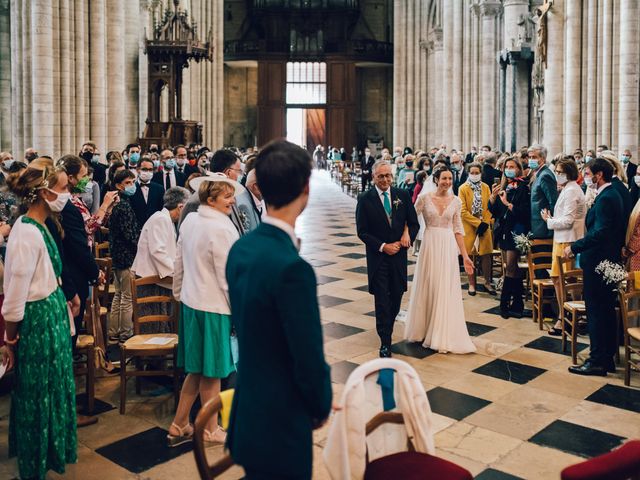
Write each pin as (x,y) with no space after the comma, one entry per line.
(283,386)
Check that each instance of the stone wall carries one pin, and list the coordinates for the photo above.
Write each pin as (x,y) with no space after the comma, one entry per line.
(375,103)
(240,105)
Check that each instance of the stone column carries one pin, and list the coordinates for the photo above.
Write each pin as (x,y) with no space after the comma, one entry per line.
(399,77)
(628,121)
(438,75)
(143,64)
(81,72)
(42,76)
(572,81)
(66,121)
(17,137)
(606,50)
(25,63)
(456,80)
(489,10)
(410,66)
(446,68)
(5,76)
(116,111)
(554,81)
(591,73)
(417,78)
(134,30)
(219,72)
(98,74)
(424,85)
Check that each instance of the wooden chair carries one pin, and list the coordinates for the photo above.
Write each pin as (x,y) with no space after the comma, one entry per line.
(540,287)
(136,350)
(409,465)
(86,345)
(101,250)
(573,307)
(208,471)
(630,309)
(103,292)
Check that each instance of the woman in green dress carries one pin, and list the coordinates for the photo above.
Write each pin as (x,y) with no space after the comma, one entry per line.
(42,424)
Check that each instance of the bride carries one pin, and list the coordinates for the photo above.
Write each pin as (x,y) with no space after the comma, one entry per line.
(436,315)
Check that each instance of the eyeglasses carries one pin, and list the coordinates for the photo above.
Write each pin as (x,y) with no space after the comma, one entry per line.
(381,176)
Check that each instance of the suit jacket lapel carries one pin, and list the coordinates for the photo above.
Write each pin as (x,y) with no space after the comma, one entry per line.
(378,204)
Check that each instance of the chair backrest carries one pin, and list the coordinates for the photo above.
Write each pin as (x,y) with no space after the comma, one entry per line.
(208,470)
(537,260)
(620,464)
(102,291)
(153,299)
(102,250)
(571,285)
(387,417)
(629,310)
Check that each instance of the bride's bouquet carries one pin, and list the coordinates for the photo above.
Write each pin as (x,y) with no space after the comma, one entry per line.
(523,242)
(612,272)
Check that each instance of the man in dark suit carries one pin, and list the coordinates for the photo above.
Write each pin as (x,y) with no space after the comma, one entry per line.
(283,387)
(367,164)
(387,223)
(471,155)
(182,162)
(619,186)
(458,171)
(89,153)
(169,177)
(489,171)
(148,197)
(603,241)
(544,191)
(631,170)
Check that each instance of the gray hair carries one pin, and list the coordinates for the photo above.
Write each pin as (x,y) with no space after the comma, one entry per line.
(541,149)
(174,197)
(251,177)
(378,164)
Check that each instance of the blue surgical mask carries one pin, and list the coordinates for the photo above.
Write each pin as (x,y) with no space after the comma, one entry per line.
(170,164)
(587,159)
(625,158)
(134,158)
(455,167)
(533,164)
(95,159)
(130,190)
(89,187)
(8,163)
(510,173)
(156,163)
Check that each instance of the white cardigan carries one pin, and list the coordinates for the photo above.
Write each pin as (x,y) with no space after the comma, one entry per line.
(199,280)
(156,247)
(28,271)
(347,444)
(569,214)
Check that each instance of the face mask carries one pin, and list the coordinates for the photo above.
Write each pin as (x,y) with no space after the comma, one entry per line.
(588,181)
(95,159)
(455,167)
(31,157)
(428,170)
(81,185)
(637,180)
(588,159)
(170,164)
(181,162)
(561,178)
(533,164)
(510,173)
(156,163)
(87,156)
(89,187)
(625,159)
(475,178)
(7,164)
(58,204)
(145,176)
(134,158)
(204,165)
(400,165)
(130,190)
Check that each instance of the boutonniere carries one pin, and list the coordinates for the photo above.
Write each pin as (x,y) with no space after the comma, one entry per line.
(397,202)
(245,220)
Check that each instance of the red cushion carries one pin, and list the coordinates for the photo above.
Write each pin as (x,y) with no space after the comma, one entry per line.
(414,466)
(620,464)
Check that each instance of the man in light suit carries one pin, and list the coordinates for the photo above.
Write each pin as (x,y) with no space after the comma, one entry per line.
(387,223)
(283,388)
(246,203)
(544,191)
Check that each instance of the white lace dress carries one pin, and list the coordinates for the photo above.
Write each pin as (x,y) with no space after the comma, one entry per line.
(436,315)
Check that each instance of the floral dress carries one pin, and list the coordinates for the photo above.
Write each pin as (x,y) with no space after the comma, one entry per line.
(42,425)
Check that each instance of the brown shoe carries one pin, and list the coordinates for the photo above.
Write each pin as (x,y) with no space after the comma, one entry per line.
(85,420)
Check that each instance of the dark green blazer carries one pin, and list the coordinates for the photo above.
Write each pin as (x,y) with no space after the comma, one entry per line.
(283,386)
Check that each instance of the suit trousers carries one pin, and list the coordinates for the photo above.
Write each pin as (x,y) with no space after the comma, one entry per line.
(387,298)
(366,179)
(600,303)
(120,321)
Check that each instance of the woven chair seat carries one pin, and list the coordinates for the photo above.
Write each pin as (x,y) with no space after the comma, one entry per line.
(85,341)
(137,342)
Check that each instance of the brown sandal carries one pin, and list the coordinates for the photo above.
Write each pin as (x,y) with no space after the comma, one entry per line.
(182,437)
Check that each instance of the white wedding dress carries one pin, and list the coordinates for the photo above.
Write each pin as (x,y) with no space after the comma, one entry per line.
(436,315)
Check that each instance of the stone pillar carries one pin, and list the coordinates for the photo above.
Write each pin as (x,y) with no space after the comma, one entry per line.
(417,78)
(5,76)
(424,84)
(42,76)
(25,63)
(81,73)
(410,68)
(489,11)
(606,50)
(628,121)
(143,64)
(591,73)
(17,137)
(446,68)
(438,97)
(554,81)
(219,72)
(572,81)
(456,80)
(134,31)
(66,122)
(399,77)
(98,74)
(115,40)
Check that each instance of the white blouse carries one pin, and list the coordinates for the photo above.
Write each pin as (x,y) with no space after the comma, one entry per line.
(569,214)
(199,280)
(28,271)
(156,247)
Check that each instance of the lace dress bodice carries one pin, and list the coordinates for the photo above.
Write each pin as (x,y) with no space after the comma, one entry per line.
(449,218)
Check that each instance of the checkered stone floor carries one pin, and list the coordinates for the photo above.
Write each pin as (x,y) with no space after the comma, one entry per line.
(511,410)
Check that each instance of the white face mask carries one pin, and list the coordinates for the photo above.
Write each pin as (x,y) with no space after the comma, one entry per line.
(181,161)
(145,176)
(475,178)
(58,204)
(561,178)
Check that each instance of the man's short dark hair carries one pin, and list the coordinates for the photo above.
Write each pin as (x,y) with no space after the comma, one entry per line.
(122,175)
(603,147)
(223,160)
(603,165)
(132,145)
(282,172)
(175,149)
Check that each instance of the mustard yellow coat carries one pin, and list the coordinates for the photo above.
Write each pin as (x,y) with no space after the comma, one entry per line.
(471,223)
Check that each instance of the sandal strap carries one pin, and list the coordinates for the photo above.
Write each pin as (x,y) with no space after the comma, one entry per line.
(181,429)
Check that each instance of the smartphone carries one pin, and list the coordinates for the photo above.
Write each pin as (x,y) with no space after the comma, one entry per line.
(496,180)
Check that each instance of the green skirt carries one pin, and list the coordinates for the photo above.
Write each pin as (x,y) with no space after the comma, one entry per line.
(42,425)
(205,343)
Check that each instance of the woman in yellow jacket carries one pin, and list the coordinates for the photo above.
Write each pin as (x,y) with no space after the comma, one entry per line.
(476,220)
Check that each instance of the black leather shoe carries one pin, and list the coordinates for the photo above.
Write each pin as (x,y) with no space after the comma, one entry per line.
(385,352)
(588,368)
(515,314)
(504,314)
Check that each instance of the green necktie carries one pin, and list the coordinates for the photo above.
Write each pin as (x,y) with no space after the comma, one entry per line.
(387,203)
